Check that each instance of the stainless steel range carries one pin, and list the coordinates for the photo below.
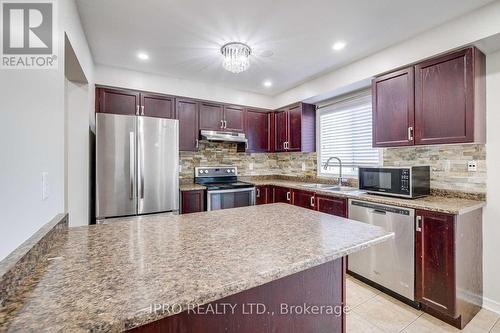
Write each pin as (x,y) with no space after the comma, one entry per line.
(224,190)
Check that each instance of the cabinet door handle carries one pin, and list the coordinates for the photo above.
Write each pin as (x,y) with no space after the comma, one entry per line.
(410,133)
(284,145)
(418,224)
(313,201)
(137,110)
(225,123)
(288,195)
(197,144)
(222,123)
(257,192)
(142,110)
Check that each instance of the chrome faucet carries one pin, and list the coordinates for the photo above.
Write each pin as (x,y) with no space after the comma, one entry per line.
(327,164)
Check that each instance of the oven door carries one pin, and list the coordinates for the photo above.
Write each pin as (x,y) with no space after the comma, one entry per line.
(223,199)
(388,181)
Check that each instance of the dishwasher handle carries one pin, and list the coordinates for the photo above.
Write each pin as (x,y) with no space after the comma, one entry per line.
(383,209)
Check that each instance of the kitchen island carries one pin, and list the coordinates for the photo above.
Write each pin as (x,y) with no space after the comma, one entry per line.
(251,269)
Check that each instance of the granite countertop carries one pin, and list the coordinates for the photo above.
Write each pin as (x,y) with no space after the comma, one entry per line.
(191,187)
(442,204)
(105,278)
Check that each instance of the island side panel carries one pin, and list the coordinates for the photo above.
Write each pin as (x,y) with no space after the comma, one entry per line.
(320,285)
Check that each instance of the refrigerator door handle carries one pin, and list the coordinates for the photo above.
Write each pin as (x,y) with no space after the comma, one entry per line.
(132,163)
(140,159)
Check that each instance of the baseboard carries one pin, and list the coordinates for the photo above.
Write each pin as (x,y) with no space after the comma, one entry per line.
(491,305)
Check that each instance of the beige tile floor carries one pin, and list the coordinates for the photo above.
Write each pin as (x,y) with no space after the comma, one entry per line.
(374,312)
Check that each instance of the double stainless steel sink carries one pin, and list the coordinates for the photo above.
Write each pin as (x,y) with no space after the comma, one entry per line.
(330,187)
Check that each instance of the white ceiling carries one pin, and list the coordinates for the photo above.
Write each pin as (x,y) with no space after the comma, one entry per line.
(183,37)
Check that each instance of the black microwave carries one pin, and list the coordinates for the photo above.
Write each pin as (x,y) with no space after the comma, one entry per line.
(406,182)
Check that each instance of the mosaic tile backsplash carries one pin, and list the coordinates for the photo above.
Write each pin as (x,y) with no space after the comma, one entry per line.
(448,163)
(215,153)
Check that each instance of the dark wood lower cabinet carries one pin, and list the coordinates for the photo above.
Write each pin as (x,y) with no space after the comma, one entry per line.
(303,199)
(282,194)
(320,285)
(449,265)
(192,201)
(331,205)
(263,195)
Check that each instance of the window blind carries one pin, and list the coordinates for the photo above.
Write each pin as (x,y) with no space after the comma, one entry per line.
(345,131)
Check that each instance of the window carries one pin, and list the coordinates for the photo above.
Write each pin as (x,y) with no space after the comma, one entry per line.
(345,131)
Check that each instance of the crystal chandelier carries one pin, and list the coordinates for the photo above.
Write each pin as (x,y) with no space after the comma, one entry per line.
(236,57)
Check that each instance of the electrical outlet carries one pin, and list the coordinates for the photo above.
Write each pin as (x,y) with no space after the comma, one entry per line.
(180,168)
(45,185)
(250,166)
(303,166)
(472,166)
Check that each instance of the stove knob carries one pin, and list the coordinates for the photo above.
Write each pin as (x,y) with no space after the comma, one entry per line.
(232,170)
(228,171)
(200,171)
(206,171)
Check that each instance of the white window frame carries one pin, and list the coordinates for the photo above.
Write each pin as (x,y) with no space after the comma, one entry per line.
(347,172)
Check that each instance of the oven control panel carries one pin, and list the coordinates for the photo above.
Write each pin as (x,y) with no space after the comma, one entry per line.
(222,171)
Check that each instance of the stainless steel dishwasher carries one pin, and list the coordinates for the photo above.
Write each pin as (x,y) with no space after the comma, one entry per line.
(390,264)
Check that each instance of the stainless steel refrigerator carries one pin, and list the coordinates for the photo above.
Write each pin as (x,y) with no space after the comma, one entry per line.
(137,161)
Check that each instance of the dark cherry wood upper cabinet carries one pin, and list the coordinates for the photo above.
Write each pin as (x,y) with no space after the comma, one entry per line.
(187,112)
(331,205)
(192,201)
(263,195)
(393,109)
(211,116)
(160,106)
(282,194)
(295,128)
(435,261)
(118,101)
(234,118)
(258,131)
(281,130)
(303,199)
(438,101)
(450,98)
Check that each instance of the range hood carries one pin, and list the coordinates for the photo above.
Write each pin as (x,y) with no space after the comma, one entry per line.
(223,136)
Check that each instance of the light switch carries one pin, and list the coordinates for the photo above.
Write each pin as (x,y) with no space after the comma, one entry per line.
(303,166)
(250,166)
(45,185)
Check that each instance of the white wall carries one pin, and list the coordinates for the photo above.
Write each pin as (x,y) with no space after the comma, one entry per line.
(32,137)
(491,214)
(117,77)
(77,153)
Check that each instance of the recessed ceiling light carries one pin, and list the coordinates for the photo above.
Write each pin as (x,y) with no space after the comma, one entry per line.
(142,56)
(338,45)
(267,83)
